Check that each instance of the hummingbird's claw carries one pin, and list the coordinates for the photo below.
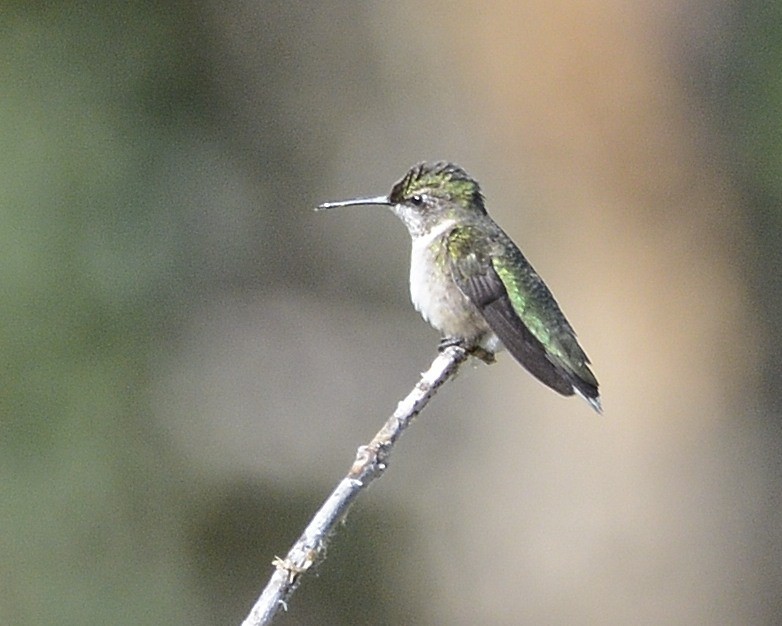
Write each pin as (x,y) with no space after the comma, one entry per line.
(447,342)
(482,354)
(473,350)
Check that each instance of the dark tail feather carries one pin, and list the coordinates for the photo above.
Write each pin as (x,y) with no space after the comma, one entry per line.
(587,391)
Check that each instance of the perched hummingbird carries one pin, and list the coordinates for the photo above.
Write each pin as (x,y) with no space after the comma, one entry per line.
(471,282)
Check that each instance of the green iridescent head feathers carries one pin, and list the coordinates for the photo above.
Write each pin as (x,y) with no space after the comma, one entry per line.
(440,180)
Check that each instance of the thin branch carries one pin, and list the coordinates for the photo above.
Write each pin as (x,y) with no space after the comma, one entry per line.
(371,461)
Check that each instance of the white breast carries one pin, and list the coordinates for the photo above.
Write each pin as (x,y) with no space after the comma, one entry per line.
(436,297)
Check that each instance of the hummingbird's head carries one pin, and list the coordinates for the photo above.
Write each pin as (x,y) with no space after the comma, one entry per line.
(441,182)
(430,192)
(427,194)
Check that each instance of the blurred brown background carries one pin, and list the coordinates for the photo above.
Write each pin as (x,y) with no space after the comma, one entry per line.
(191,355)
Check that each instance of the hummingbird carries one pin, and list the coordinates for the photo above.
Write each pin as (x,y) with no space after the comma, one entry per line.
(472,283)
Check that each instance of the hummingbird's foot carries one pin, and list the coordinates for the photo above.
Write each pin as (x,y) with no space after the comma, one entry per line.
(483,354)
(473,350)
(447,342)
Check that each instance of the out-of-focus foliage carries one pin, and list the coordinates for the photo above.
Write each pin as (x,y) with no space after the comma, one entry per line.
(749,100)
(94,99)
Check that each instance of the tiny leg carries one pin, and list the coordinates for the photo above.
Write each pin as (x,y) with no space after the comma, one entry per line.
(447,342)
(474,350)
(482,354)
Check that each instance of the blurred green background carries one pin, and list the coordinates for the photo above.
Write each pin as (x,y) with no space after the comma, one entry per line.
(191,355)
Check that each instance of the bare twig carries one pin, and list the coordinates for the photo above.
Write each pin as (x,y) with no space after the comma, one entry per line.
(371,461)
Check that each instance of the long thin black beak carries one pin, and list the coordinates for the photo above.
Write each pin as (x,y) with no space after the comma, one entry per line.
(355,202)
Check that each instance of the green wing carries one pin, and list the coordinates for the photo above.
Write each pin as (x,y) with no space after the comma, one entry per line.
(520,309)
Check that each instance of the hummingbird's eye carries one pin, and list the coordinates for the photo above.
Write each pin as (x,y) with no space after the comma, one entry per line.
(417,199)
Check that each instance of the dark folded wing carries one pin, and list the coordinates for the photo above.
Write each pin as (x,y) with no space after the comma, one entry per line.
(487,292)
